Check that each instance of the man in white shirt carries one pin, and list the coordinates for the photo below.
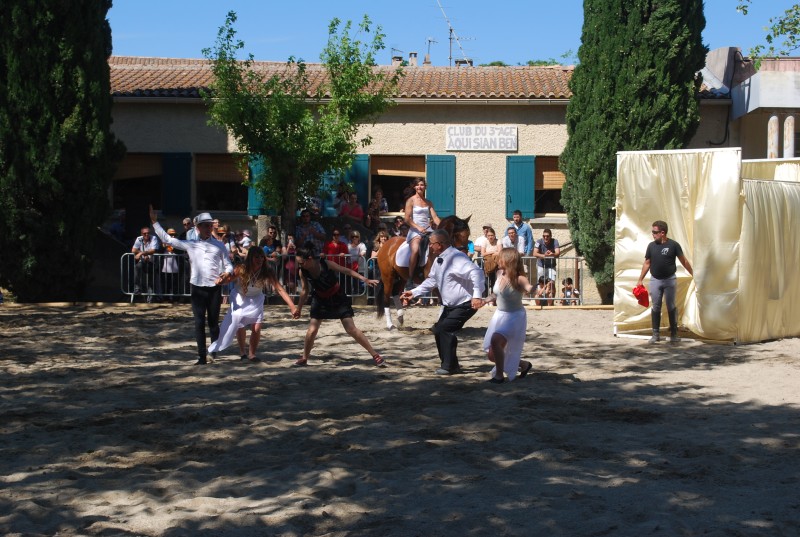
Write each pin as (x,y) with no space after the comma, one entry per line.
(211,267)
(144,268)
(524,231)
(512,240)
(460,283)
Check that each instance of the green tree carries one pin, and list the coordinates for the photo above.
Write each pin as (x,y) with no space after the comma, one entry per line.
(57,154)
(299,129)
(784,27)
(634,88)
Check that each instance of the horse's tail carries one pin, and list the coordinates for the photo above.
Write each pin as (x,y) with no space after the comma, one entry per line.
(380,300)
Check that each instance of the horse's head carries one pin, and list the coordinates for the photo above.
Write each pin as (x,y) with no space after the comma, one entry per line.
(457,228)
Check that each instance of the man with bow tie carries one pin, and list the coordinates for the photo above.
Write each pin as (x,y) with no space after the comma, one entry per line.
(460,283)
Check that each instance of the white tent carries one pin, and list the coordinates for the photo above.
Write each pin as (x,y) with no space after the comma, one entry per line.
(736,221)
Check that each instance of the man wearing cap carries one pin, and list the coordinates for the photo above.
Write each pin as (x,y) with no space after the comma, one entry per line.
(211,267)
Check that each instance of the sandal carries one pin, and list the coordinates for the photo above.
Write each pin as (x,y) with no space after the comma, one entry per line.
(525,371)
(301,361)
(254,359)
(495,380)
(379,361)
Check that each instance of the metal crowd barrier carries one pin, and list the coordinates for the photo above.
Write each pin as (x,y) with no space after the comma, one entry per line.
(166,276)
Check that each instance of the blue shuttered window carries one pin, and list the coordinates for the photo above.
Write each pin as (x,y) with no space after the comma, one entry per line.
(255,201)
(520,185)
(441,178)
(358,176)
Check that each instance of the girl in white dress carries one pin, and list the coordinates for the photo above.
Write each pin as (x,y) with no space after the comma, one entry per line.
(419,215)
(505,335)
(247,304)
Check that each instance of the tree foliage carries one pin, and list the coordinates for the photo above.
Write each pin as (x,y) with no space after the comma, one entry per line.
(635,88)
(57,154)
(299,130)
(783,27)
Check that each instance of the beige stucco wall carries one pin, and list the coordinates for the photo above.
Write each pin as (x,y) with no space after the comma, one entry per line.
(168,127)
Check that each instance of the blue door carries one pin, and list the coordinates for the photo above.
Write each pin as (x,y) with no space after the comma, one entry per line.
(440,175)
(520,185)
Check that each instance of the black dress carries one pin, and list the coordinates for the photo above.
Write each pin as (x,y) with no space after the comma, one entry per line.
(328,299)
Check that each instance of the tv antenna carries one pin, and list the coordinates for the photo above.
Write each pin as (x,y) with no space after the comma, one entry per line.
(453,37)
(395,51)
(430,40)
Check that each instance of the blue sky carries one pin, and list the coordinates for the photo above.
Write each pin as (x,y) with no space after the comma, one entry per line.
(513,31)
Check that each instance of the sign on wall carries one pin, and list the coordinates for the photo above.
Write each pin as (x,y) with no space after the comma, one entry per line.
(481,138)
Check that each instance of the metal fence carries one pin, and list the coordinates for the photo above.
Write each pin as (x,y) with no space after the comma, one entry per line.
(166,277)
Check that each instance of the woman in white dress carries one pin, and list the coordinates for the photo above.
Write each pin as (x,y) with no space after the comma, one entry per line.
(505,335)
(419,215)
(247,304)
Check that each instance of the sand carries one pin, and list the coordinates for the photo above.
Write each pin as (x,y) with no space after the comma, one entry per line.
(108,429)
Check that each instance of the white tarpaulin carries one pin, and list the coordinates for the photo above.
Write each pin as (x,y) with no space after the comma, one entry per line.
(737,234)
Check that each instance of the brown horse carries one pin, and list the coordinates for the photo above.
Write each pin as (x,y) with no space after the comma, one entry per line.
(394,277)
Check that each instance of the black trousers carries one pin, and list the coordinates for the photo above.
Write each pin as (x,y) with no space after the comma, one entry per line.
(452,320)
(206,302)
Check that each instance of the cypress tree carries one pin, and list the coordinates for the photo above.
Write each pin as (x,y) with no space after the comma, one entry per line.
(57,154)
(635,88)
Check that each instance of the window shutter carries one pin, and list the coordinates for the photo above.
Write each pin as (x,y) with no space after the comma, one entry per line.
(177,183)
(441,178)
(358,176)
(255,201)
(520,185)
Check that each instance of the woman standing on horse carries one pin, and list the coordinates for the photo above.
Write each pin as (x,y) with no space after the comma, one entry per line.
(419,215)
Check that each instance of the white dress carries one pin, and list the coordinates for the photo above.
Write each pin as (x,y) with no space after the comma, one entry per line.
(511,320)
(422,217)
(246,308)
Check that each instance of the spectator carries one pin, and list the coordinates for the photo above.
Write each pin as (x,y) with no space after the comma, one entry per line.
(377,208)
(569,294)
(512,240)
(544,292)
(335,250)
(189,232)
(396,229)
(351,210)
(271,244)
(345,236)
(308,230)
(358,254)
(144,247)
(170,270)
(289,265)
(480,242)
(524,231)
(246,242)
(377,243)
(546,251)
(491,249)
(342,196)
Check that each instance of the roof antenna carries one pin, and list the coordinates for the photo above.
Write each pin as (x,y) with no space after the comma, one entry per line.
(453,37)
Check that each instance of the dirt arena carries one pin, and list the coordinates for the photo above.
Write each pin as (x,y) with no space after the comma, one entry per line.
(108,429)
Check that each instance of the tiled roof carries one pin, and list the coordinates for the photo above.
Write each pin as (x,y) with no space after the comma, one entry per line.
(171,77)
(183,78)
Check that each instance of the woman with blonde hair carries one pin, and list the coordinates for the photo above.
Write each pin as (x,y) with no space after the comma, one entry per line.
(505,335)
(247,303)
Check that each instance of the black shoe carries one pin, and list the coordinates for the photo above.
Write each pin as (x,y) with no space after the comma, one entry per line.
(201,361)
(495,380)
(243,357)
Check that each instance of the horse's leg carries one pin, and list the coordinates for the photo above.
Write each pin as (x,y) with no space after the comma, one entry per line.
(398,304)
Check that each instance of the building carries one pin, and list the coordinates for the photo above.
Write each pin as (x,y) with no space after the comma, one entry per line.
(488,139)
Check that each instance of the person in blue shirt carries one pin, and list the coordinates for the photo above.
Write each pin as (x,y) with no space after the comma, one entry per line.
(524,231)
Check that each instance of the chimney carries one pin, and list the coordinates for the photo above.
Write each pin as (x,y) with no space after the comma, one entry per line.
(466,62)
(397,61)
(427,60)
(412,59)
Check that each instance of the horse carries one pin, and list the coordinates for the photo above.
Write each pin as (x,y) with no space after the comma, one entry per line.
(394,277)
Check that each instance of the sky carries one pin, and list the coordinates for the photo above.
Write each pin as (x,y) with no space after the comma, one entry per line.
(512,31)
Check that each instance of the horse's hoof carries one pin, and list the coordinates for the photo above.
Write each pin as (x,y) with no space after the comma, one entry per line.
(390,328)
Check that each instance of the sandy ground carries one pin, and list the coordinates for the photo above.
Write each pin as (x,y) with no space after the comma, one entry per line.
(107,429)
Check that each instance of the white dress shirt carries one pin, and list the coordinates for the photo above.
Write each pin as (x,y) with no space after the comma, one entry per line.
(208,258)
(520,246)
(456,276)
